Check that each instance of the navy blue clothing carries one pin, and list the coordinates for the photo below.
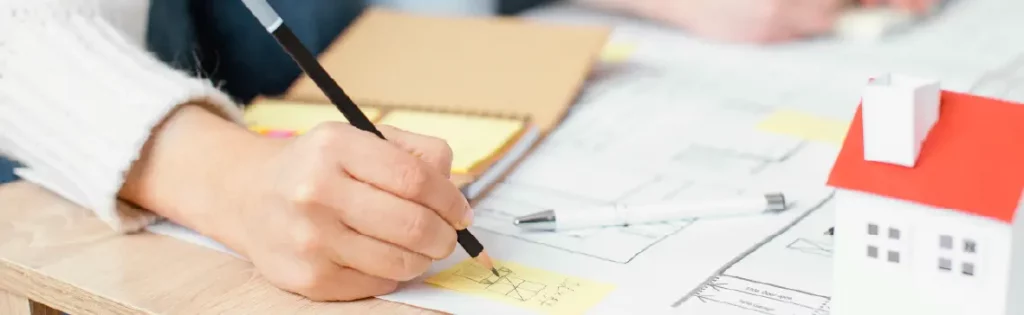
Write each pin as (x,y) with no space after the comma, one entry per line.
(222,41)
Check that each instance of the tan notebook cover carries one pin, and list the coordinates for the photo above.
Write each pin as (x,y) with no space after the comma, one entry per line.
(494,66)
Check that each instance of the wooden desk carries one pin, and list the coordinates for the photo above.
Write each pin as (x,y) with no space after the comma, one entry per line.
(59,255)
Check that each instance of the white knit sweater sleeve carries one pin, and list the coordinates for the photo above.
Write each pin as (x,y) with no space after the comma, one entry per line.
(78,102)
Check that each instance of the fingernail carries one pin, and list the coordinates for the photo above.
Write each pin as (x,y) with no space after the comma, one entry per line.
(467,219)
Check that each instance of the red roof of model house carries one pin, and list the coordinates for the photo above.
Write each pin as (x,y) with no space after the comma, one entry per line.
(971,161)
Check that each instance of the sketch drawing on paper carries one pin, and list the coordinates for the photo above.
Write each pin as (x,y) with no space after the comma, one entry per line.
(523,286)
(812,246)
(505,283)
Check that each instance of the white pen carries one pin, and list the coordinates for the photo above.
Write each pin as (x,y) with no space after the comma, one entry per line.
(619,215)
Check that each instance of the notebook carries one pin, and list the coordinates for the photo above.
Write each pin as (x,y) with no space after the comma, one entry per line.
(492,87)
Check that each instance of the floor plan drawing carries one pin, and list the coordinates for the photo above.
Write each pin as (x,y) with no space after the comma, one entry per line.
(505,283)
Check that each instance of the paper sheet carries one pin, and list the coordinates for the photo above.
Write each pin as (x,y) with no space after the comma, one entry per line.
(692,116)
(473,139)
(805,126)
(522,286)
(298,117)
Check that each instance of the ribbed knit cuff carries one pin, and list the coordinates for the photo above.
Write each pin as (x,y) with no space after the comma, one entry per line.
(78,102)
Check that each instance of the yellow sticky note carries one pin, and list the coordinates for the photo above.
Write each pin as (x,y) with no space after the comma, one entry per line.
(522,286)
(299,117)
(617,52)
(473,139)
(805,126)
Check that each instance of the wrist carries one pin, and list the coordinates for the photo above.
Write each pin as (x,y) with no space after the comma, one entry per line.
(189,172)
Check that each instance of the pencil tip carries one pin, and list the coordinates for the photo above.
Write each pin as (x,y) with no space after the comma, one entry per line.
(495,272)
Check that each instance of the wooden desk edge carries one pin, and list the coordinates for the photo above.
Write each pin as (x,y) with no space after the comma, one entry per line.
(21,283)
(47,294)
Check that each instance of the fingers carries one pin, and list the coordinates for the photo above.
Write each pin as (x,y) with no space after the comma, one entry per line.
(397,221)
(435,152)
(376,258)
(812,17)
(331,282)
(916,6)
(389,168)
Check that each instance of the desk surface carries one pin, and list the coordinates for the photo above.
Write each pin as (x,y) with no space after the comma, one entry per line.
(58,254)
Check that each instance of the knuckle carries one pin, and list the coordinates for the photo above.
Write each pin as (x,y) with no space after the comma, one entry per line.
(304,196)
(411,179)
(417,227)
(308,283)
(326,136)
(307,241)
(446,153)
(405,266)
(440,147)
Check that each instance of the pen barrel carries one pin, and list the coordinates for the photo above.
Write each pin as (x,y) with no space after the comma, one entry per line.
(640,214)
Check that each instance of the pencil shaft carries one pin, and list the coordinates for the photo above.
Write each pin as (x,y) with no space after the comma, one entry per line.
(291,44)
(307,61)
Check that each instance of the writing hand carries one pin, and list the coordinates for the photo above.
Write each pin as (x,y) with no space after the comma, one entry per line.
(916,6)
(338,214)
(754,21)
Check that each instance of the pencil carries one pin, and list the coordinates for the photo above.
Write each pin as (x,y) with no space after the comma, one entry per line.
(274,25)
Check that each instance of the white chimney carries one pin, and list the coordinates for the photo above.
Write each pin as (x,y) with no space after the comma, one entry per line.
(898,112)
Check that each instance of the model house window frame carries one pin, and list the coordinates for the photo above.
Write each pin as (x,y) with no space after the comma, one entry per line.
(957,255)
(876,250)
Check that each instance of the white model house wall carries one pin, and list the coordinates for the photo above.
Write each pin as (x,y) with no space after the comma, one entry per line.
(1015,292)
(898,257)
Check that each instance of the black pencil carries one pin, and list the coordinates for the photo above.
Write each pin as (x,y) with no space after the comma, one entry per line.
(309,64)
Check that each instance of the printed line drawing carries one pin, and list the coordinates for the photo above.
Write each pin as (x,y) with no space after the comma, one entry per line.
(813,247)
(762,298)
(1005,82)
(505,283)
(759,297)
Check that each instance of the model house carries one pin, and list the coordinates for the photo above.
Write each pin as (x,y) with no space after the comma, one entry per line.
(928,185)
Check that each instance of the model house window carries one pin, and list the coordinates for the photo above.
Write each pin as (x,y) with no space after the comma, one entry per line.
(946,242)
(891,233)
(967,269)
(894,256)
(969,246)
(945,264)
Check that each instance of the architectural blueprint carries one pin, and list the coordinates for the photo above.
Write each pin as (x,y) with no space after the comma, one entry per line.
(701,141)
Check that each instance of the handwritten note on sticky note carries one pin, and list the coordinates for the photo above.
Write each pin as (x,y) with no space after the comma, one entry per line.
(522,286)
(473,139)
(617,52)
(298,117)
(805,126)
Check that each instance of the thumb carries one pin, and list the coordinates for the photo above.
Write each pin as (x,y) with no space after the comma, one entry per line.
(433,151)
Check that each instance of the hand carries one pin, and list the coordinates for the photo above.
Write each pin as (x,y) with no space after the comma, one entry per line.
(756,21)
(339,214)
(336,214)
(915,6)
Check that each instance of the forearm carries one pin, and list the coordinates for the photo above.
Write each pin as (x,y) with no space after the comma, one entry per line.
(193,171)
(78,102)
